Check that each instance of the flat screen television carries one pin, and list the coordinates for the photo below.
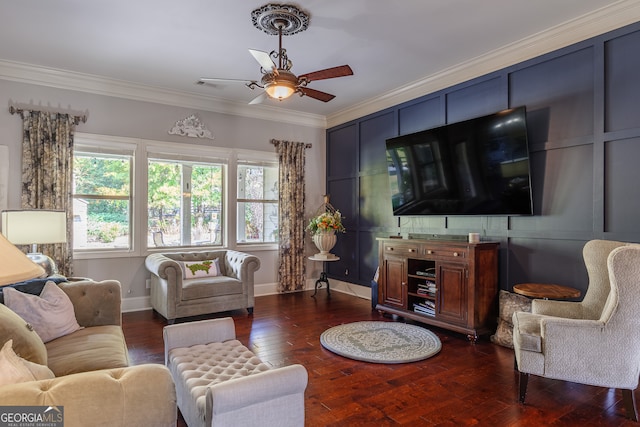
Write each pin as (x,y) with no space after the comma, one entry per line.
(475,167)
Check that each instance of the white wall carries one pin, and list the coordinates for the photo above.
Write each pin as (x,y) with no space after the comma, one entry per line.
(137,119)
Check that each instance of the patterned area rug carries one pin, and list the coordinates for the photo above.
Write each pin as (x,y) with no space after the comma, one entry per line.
(381,342)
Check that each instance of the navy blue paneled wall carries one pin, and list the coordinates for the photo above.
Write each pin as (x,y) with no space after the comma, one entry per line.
(583,118)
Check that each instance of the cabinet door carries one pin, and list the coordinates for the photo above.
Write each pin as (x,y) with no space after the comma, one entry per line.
(393,291)
(452,293)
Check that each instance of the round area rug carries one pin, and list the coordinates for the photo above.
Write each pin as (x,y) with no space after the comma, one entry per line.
(381,342)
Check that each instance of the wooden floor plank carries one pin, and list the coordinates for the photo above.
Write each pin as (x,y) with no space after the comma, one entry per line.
(465,384)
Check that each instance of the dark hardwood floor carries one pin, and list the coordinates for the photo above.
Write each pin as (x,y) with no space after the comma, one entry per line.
(464,384)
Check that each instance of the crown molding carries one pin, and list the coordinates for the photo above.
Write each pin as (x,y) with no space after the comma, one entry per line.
(70,80)
(593,24)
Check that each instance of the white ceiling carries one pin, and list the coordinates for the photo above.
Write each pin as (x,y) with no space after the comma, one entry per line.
(393,47)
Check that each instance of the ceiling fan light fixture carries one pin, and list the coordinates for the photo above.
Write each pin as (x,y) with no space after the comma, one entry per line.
(280,90)
(277,79)
(281,86)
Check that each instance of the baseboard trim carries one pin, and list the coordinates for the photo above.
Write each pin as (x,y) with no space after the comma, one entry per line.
(336,285)
(345,288)
(144,303)
(136,304)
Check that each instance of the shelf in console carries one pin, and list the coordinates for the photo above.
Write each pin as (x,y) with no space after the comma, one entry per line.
(418,276)
(425,307)
(416,295)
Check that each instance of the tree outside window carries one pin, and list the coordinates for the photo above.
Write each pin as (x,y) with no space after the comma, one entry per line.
(184,203)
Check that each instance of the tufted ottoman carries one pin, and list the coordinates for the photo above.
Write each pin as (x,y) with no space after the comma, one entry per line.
(220,382)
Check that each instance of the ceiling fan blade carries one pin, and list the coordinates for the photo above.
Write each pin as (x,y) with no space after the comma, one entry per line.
(316,94)
(258,99)
(265,61)
(251,84)
(329,73)
(216,80)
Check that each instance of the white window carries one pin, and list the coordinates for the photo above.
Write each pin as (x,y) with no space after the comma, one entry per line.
(185,202)
(134,196)
(102,199)
(257,202)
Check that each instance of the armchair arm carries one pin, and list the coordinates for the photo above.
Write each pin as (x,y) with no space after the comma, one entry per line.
(566,309)
(95,303)
(243,266)
(166,283)
(163,266)
(198,332)
(270,398)
(560,328)
(531,329)
(142,395)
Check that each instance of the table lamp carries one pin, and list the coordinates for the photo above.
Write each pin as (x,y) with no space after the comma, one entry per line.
(14,265)
(33,227)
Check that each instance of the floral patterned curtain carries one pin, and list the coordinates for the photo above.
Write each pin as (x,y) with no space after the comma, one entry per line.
(292,266)
(47,171)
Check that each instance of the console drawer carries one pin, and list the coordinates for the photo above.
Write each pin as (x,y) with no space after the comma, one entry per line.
(447,253)
(401,248)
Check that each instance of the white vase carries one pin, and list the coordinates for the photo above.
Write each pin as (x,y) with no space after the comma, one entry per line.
(325,241)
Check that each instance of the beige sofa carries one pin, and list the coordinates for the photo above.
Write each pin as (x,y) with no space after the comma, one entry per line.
(93,380)
(173,296)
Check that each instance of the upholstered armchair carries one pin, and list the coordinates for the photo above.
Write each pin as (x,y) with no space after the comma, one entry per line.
(595,254)
(602,350)
(181,288)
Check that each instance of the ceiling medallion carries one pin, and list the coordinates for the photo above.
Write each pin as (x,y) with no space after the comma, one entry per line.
(271,17)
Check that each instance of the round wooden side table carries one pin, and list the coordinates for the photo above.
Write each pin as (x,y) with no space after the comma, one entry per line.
(546,291)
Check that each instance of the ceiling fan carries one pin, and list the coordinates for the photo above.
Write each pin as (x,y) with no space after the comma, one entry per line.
(277,80)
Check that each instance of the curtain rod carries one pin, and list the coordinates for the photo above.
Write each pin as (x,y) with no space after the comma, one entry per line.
(274,141)
(76,119)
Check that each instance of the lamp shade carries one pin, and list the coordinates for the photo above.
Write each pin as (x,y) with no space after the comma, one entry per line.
(26,227)
(14,265)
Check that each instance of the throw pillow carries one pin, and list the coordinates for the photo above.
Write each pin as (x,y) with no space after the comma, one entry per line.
(195,269)
(508,304)
(26,342)
(51,314)
(504,334)
(17,370)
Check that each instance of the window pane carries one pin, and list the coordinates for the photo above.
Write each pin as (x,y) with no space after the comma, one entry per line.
(206,205)
(257,204)
(164,200)
(106,176)
(101,204)
(257,182)
(185,204)
(259,222)
(101,224)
